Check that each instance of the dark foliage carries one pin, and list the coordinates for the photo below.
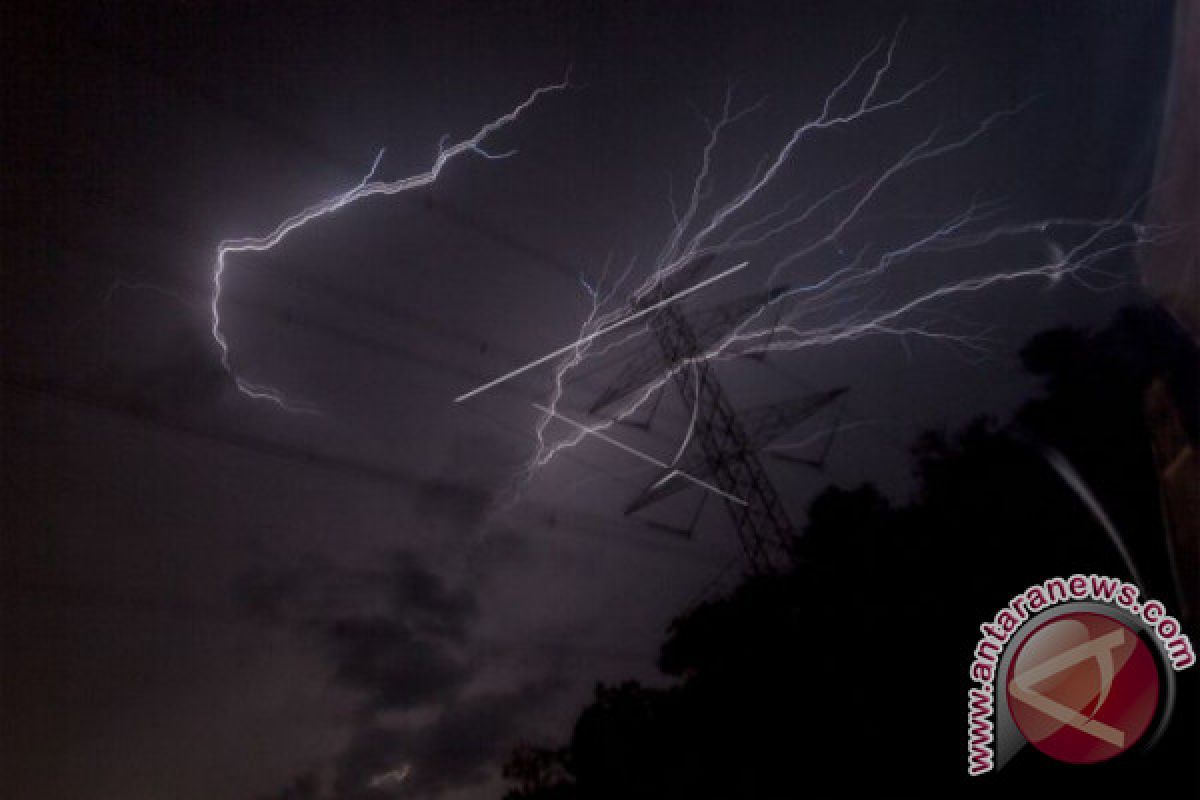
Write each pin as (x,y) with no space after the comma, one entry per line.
(848,676)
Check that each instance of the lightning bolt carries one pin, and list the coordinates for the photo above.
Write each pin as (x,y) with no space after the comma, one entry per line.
(369,186)
(639,454)
(391,778)
(845,300)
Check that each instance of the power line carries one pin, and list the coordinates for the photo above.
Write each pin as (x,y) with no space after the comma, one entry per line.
(358,469)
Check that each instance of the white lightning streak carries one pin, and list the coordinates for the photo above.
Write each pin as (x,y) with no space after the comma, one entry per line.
(367,187)
(583,340)
(390,779)
(649,459)
(845,303)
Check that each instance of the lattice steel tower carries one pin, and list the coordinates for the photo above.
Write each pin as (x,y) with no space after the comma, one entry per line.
(725,443)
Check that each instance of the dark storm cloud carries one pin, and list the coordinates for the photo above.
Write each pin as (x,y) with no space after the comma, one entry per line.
(304,787)
(183,377)
(392,634)
(396,666)
(145,133)
(407,656)
(429,602)
(461,505)
(459,748)
(400,637)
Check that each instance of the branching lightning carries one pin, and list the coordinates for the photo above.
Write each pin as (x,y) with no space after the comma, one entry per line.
(845,300)
(369,186)
(591,332)
(549,412)
(821,295)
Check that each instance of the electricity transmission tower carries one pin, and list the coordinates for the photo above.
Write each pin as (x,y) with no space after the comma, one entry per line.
(725,444)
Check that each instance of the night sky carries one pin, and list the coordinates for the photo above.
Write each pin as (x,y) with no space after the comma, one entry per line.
(207,597)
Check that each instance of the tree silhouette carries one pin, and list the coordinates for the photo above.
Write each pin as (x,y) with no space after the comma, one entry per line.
(848,675)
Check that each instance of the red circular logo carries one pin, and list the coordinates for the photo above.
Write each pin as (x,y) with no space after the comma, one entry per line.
(1083,688)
